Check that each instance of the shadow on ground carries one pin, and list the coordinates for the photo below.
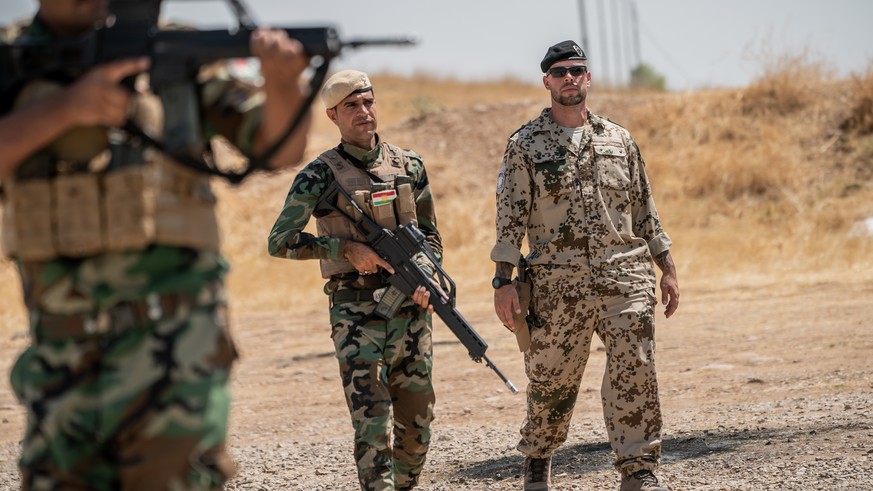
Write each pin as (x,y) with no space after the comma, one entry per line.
(589,458)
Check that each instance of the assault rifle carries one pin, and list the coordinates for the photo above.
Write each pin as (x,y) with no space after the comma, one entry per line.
(176,59)
(400,249)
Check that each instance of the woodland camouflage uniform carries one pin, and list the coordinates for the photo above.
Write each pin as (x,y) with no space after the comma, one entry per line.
(592,230)
(385,366)
(126,378)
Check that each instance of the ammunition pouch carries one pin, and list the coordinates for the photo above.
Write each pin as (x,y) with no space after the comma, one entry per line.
(85,214)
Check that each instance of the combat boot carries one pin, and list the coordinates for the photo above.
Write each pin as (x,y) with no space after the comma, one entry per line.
(537,474)
(641,481)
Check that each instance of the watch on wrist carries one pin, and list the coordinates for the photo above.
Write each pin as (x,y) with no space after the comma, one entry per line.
(499,282)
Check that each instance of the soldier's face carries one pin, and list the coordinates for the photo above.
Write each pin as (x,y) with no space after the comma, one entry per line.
(73,17)
(568,89)
(355,116)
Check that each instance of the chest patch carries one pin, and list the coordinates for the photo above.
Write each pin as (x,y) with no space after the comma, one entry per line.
(383,197)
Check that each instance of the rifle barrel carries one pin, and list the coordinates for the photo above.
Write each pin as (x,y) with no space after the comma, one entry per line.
(389,41)
(499,374)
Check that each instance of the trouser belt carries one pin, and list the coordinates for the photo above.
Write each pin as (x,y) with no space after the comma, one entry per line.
(46,327)
(346,296)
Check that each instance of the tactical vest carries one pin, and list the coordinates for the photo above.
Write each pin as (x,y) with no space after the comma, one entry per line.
(389,202)
(75,199)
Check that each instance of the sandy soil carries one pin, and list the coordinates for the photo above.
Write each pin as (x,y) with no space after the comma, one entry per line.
(765,384)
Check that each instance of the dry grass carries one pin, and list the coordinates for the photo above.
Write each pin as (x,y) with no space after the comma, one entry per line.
(771,177)
(764,181)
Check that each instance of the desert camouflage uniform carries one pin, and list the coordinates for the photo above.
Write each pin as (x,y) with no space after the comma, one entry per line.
(592,231)
(126,379)
(385,366)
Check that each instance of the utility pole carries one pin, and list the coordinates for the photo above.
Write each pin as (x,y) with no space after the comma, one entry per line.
(635,27)
(618,44)
(583,23)
(604,43)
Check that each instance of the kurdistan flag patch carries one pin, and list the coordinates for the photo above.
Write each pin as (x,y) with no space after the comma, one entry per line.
(383,197)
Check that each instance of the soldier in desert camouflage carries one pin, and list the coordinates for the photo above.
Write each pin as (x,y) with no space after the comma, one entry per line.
(575,184)
(126,378)
(385,365)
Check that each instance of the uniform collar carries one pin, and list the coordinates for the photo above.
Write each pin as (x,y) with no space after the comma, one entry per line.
(545,122)
(362,156)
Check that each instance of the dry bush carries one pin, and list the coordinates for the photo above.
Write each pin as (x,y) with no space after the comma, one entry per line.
(787,83)
(860,119)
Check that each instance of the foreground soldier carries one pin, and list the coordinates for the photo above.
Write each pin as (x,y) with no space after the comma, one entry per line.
(383,364)
(576,185)
(126,378)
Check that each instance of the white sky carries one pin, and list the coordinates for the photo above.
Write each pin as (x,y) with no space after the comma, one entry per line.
(695,44)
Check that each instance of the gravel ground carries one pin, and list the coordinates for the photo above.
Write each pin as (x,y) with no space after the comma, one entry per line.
(778,398)
(795,444)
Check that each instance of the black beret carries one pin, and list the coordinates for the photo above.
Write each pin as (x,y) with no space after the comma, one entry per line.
(565,50)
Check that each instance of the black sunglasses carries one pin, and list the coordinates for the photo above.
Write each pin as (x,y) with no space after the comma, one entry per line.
(575,71)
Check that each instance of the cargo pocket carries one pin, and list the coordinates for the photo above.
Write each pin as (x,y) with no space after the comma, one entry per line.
(554,180)
(613,178)
(612,167)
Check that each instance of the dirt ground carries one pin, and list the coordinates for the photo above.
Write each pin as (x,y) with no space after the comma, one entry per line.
(765,384)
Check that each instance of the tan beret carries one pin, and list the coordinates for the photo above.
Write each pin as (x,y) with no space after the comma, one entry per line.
(342,84)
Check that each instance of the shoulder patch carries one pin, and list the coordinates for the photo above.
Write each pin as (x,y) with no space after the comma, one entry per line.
(501,179)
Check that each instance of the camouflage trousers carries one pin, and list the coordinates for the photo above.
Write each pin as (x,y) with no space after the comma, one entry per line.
(556,360)
(386,372)
(134,397)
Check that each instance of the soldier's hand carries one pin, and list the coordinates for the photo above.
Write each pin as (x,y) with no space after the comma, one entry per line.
(364,258)
(282,58)
(506,305)
(98,98)
(669,293)
(421,296)
(282,64)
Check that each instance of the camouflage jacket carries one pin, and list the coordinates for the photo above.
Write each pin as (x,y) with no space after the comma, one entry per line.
(68,285)
(587,210)
(288,240)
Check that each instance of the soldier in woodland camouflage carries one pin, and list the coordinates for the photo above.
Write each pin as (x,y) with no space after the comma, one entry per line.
(575,184)
(126,379)
(385,365)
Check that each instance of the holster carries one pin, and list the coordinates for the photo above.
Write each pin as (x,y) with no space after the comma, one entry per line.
(522,330)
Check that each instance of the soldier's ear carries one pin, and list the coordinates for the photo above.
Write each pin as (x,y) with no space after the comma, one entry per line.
(331,114)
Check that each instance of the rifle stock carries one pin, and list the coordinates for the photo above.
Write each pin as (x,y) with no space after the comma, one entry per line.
(400,248)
